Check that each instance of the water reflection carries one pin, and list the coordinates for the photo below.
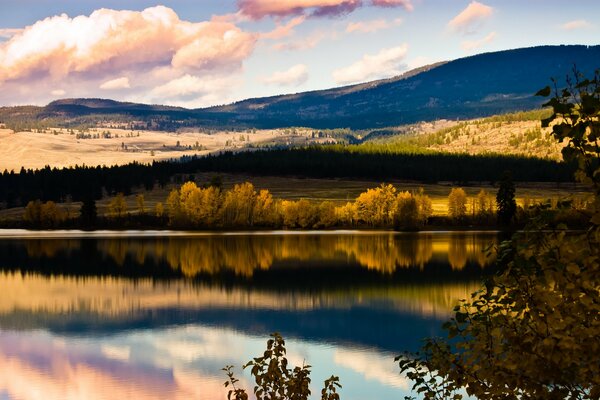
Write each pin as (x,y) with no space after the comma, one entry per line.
(158,317)
(244,254)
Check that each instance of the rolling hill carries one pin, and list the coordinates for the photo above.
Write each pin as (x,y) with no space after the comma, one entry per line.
(470,87)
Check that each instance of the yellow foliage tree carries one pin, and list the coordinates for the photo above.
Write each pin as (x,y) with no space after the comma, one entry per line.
(265,209)
(238,205)
(346,214)
(375,207)
(117,206)
(457,203)
(141,203)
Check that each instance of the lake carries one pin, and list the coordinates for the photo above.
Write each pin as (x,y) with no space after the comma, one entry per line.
(156,315)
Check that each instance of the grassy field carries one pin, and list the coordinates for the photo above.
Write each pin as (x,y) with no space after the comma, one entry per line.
(63,148)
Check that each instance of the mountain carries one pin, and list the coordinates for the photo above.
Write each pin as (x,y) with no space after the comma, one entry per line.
(470,87)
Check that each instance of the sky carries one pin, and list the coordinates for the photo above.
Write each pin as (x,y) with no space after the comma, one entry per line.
(199,53)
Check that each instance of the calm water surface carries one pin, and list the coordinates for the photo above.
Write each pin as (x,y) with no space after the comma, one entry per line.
(149,315)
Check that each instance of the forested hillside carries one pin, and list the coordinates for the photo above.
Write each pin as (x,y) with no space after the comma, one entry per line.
(466,88)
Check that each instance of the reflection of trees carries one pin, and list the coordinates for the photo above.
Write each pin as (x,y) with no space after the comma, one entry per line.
(246,253)
(48,248)
(468,248)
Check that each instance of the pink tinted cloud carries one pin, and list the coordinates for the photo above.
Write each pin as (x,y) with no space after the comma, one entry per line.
(283,30)
(387,63)
(104,50)
(471,16)
(257,9)
(393,3)
(294,76)
(108,41)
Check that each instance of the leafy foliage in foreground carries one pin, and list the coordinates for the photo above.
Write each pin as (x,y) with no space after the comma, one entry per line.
(534,331)
(274,380)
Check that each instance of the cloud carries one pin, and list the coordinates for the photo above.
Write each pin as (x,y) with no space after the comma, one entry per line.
(386,63)
(304,43)
(284,30)
(192,91)
(470,17)
(58,92)
(576,24)
(393,3)
(6,33)
(118,83)
(294,76)
(469,45)
(86,52)
(373,367)
(371,26)
(257,9)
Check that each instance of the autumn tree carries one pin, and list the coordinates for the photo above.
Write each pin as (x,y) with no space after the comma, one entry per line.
(346,214)
(457,203)
(173,206)
(33,212)
(265,209)
(375,207)
(424,206)
(46,215)
(484,203)
(406,214)
(141,203)
(159,210)
(117,206)
(238,205)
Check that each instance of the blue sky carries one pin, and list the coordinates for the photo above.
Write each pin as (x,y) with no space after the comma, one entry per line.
(204,52)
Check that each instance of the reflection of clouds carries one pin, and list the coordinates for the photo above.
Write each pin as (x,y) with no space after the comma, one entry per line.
(193,342)
(116,352)
(372,366)
(33,368)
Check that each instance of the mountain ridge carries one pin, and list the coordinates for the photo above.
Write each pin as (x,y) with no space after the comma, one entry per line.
(470,87)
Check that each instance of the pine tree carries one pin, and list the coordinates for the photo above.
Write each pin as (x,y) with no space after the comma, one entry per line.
(505,199)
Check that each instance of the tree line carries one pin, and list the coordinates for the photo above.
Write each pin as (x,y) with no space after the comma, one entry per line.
(79,183)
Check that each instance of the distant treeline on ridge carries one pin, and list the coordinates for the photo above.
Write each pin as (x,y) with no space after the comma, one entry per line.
(82,182)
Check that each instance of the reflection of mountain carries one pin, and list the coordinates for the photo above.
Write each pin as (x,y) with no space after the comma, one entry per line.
(245,254)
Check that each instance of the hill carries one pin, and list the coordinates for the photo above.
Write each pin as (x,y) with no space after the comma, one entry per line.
(466,88)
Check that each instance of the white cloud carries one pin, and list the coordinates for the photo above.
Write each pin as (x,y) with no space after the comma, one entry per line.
(58,92)
(306,42)
(469,45)
(9,32)
(283,30)
(469,18)
(373,367)
(386,63)
(371,26)
(294,76)
(84,53)
(121,353)
(118,83)
(576,24)
(192,91)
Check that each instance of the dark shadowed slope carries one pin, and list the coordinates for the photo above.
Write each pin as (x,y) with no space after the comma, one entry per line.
(470,87)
